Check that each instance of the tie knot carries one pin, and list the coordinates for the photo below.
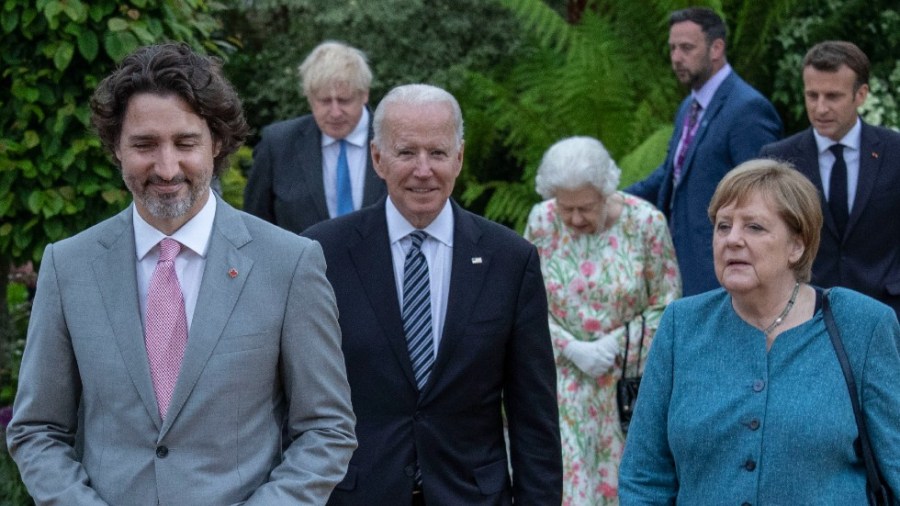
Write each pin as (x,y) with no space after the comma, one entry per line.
(837,149)
(417,238)
(168,249)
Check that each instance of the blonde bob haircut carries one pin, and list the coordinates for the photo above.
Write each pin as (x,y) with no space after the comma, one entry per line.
(793,196)
(332,64)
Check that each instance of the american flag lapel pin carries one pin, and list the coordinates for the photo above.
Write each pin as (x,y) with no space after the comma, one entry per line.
(476,260)
(232,273)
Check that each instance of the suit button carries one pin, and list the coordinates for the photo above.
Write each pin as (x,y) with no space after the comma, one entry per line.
(750,465)
(754,424)
(418,416)
(162,451)
(759,385)
(410,470)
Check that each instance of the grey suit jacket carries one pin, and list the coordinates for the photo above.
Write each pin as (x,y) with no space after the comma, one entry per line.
(285,186)
(261,410)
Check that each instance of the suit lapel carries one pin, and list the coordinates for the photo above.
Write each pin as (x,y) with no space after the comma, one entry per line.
(371,256)
(709,115)
(372,187)
(806,159)
(117,280)
(223,280)
(309,149)
(869,167)
(468,272)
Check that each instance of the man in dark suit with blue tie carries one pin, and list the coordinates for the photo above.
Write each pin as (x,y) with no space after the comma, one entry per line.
(444,322)
(722,123)
(856,167)
(315,167)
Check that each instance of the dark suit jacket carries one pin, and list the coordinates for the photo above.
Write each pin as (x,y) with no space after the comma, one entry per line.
(285,186)
(867,258)
(736,124)
(495,347)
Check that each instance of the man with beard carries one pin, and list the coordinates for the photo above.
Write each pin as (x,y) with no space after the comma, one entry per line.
(181,352)
(723,122)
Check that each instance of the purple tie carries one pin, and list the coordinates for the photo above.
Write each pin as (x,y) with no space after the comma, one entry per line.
(690,129)
(166,325)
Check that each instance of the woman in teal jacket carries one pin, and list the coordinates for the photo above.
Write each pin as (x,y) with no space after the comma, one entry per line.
(743,400)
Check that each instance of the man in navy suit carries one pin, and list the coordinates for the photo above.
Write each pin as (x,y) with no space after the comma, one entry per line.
(431,428)
(723,122)
(856,167)
(297,179)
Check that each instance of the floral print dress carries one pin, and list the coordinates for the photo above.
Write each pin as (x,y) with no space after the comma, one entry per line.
(600,284)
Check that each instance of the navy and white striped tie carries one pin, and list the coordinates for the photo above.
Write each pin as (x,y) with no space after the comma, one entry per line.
(417,310)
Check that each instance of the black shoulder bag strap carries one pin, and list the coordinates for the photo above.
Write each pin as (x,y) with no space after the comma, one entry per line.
(875,489)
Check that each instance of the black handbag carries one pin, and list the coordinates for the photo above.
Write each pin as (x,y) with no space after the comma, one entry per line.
(627,387)
(877,490)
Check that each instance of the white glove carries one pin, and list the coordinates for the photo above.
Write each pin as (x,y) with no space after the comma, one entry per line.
(593,357)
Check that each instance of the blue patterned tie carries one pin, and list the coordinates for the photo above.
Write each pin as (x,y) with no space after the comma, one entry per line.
(344,191)
(417,310)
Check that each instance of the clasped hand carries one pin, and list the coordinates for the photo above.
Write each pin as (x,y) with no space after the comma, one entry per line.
(593,357)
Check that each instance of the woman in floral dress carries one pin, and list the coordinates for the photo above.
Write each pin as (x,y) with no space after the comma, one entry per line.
(609,268)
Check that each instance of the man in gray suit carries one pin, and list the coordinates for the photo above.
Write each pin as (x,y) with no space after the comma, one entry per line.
(180,352)
(315,167)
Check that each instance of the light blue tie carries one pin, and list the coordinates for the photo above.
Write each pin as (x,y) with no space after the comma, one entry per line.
(417,310)
(344,191)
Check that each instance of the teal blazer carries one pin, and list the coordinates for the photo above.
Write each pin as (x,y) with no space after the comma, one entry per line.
(721,421)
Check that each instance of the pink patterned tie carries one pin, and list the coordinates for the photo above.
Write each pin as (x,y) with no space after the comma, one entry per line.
(690,128)
(166,325)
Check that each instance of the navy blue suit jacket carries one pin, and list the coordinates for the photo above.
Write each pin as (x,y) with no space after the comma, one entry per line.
(495,349)
(737,123)
(867,257)
(285,185)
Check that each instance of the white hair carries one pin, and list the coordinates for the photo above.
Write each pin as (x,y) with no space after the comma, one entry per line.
(574,162)
(418,95)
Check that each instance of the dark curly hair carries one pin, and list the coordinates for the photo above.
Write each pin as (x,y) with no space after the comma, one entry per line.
(172,69)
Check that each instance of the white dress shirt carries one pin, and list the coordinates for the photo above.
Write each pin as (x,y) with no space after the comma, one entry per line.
(438,251)
(357,158)
(194,238)
(851,142)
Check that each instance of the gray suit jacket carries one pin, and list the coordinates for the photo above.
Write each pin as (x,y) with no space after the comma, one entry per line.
(285,186)
(261,410)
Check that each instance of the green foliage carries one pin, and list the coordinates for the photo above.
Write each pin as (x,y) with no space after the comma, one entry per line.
(873,25)
(606,76)
(405,40)
(54,178)
(12,491)
(233,180)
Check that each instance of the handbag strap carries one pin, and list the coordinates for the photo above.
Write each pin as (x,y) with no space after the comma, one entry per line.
(628,341)
(872,478)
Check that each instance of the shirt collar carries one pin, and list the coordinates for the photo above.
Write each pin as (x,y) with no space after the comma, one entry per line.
(194,234)
(705,94)
(850,140)
(359,137)
(441,228)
